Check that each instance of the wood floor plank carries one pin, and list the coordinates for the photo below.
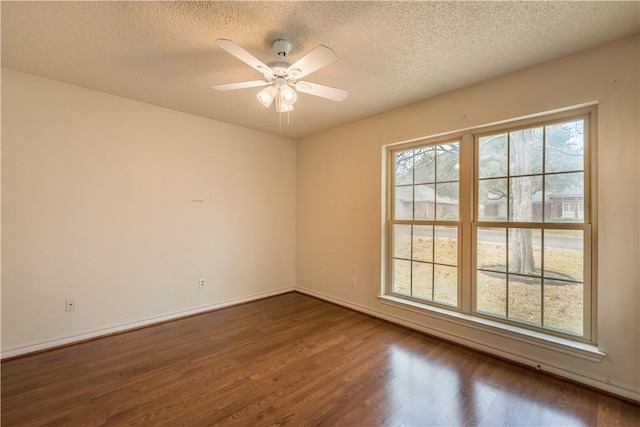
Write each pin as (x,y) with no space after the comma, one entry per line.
(289,360)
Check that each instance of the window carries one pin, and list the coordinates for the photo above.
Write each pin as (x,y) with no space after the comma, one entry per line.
(496,224)
(568,210)
(425,229)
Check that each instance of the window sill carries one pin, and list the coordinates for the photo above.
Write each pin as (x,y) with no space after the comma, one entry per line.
(539,339)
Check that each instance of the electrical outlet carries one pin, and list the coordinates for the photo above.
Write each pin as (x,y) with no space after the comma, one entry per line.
(202,283)
(353,281)
(70,304)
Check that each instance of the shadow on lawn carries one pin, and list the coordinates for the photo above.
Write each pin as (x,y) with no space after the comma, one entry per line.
(552,278)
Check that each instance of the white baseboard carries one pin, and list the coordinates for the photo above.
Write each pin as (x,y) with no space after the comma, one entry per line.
(521,359)
(135,325)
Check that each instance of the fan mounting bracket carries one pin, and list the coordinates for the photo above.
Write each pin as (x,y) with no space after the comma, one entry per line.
(282,47)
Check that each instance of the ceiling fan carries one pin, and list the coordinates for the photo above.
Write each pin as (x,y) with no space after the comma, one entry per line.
(281,77)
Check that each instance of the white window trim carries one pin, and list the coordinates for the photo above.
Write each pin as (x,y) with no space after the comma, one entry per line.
(586,350)
(548,342)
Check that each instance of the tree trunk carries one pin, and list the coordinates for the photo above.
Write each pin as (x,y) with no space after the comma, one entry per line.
(521,253)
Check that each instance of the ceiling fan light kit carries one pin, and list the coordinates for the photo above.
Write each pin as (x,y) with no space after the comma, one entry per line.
(281,77)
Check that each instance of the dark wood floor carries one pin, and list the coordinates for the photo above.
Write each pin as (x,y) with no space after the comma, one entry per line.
(289,360)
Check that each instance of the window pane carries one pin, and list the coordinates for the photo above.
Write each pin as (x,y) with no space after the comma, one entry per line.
(402,241)
(491,295)
(564,195)
(524,251)
(445,284)
(447,201)
(491,249)
(564,254)
(564,150)
(401,276)
(404,167)
(423,280)
(563,305)
(492,200)
(525,199)
(423,243)
(525,297)
(403,203)
(446,245)
(448,162)
(493,156)
(425,165)
(425,201)
(525,152)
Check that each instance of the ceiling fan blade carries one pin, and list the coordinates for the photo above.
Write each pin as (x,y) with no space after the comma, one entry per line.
(312,61)
(240,85)
(322,90)
(244,56)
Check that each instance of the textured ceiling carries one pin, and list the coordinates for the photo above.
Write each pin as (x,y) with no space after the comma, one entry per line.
(389,53)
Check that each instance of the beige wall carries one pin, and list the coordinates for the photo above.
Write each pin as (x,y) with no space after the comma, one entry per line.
(98,205)
(339,217)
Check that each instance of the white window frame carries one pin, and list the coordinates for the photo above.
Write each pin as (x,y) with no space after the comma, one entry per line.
(468,222)
(568,207)
(569,210)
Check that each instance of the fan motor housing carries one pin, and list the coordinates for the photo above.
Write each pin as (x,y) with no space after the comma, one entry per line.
(279,68)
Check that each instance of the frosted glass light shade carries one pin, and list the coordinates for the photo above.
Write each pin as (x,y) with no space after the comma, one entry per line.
(288,96)
(267,95)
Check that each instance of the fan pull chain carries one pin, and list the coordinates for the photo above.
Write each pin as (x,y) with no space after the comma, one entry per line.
(279,111)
